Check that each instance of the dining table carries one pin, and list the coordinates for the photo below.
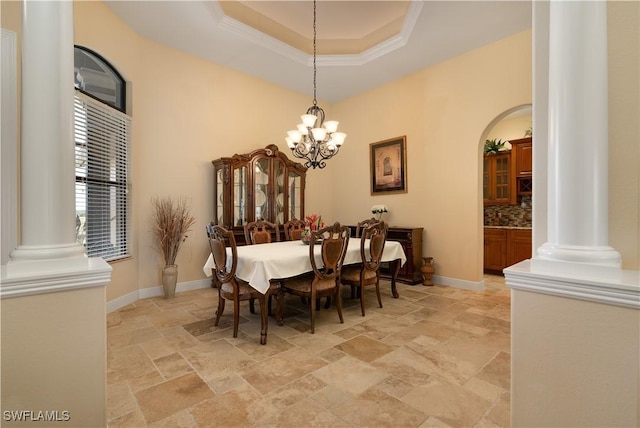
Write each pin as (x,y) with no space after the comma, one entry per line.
(261,264)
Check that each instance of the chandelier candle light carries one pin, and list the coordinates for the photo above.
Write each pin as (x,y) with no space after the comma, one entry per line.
(315,140)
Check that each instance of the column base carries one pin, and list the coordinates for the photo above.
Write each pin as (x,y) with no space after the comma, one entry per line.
(30,260)
(23,278)
(600,256)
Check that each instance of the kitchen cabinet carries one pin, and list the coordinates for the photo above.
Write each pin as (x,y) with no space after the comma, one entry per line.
(261,185)
(495,249)
(522,153)
(504,247)
(496,179)
(518,245)
(522,171)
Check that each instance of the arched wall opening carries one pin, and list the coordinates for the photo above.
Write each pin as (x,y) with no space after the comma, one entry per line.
(512,124)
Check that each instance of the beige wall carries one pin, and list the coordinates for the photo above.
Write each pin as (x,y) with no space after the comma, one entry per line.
(188,112)
(510,128)
(574,363)
(577,363)
(53,356)
(624,130)
(443,111)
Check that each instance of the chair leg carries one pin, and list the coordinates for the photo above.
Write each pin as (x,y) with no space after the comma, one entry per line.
(327,304)
(312,310)
(361,292)
(378,293)
(236,316)
(353,291)
(252,307)
(264,320)
(339,304)
(220,310)
(280,307)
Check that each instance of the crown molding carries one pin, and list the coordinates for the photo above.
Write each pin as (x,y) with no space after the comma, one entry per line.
(253,36)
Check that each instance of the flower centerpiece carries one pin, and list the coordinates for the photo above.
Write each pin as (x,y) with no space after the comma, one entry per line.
(378,210)
(311,222)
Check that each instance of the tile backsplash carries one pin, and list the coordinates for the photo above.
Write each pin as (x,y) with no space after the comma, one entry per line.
(509,215)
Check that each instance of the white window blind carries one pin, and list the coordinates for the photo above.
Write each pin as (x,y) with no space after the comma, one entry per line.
(102,136)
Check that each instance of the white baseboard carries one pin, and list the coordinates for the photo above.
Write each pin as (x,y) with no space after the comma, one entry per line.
(458,283)
(145,293)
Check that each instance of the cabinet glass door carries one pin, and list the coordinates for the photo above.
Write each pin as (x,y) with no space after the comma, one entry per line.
(502,178)
(219,195)
(485,179)
(294,207)
(261,189)
(279,172)
(240,191)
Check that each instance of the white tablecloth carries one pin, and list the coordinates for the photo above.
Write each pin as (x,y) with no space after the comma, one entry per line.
(258,264)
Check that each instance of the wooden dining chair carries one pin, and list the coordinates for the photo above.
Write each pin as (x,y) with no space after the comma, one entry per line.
(368,273)
(293,229)
(260,232)
(231,287)
(324,282)
(364,224)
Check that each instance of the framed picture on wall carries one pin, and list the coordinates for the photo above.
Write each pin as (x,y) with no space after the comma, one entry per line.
(388,161)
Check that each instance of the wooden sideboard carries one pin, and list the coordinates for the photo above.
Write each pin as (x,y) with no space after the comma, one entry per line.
(411,240)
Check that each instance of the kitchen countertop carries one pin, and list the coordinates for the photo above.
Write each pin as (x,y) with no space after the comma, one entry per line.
(507,227)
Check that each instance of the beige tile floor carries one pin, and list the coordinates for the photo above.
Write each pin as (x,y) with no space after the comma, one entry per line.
(436,357)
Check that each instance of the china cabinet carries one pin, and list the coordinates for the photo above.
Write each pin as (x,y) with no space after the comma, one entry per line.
(261,185)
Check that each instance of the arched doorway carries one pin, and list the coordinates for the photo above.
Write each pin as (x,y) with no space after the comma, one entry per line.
(506,206)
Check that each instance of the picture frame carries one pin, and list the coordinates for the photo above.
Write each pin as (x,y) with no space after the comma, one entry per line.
(388,165)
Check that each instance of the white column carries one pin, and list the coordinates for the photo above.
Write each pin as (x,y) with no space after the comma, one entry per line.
(47,147)
(577,152)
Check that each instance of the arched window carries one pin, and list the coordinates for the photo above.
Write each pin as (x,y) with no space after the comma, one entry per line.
(102,135)
(93,75)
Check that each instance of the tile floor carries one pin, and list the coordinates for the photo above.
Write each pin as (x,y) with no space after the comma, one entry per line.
(436,357)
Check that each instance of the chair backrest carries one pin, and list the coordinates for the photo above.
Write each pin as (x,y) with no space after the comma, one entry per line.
(334,241)
(259,232)
(209,229)
(364,224)
(293,229)
(219,239)
(376,236)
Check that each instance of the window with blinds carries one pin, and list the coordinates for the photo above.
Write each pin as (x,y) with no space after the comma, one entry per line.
(102,136)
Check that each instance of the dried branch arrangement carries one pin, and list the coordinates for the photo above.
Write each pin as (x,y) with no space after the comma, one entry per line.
(172,220)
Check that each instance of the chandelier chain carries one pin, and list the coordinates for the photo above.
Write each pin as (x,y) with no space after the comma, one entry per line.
(314,140)
(315,101)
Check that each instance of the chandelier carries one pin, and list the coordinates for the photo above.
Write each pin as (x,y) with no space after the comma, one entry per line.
(315,140)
